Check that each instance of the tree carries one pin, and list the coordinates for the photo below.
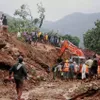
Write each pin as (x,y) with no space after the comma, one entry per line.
(25,15)
(92,38)
(35,21)
(75,40)
(41,11)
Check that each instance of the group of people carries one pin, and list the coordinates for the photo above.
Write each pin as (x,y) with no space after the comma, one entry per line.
(37,36)
(69,70)
(3,23)
(66,70)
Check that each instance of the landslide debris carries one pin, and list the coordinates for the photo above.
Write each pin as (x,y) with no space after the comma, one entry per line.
(35,57)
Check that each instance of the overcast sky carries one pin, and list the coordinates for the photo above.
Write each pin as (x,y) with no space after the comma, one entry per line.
(55,9)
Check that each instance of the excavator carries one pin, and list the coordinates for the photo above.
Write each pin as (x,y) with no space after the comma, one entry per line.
(77,54)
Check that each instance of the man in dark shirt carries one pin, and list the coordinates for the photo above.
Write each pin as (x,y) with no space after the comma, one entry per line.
(94,66)
(20,74)
(5,21)
(71,70)
(5,27)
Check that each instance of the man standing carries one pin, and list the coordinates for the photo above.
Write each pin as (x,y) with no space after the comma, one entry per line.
(94,66)
(85,71)
(5,23)
(0,24)
(99,68)
(66,69)
(20,74)
(89,62)
(71,70)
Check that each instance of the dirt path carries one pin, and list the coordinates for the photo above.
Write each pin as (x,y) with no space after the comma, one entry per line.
(51,91)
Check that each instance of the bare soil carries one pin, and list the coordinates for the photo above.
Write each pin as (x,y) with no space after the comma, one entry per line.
(40,85)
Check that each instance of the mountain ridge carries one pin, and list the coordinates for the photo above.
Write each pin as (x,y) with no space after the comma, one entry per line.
(75,24)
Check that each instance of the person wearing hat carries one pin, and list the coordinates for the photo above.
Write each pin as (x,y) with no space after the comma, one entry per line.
(19,72)
(65,69)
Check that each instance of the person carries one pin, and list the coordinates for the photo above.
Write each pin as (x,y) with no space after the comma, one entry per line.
(89,62)
(54,70)
(76,69)
(79,74)
(19,35)
(59,69)
(2,16)
(25,34)
(55,40)
(49,38)
(99,68)
(39,34)
(85,71)
(46,38)
(94,66)
(29,38)
(34,38)
(41,38)
(71,70)
(65,69)
(5,29)
(19,72)
(0,24)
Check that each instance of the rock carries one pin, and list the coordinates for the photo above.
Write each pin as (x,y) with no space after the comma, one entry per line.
(2,43)
(15,51)
(8,45)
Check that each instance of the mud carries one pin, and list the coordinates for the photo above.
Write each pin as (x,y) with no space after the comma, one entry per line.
(40,85)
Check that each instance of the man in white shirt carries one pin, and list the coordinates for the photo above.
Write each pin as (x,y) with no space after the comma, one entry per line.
(85,71)
(18,35)
(89,62)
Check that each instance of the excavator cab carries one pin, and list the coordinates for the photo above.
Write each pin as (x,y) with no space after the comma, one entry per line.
(78,59)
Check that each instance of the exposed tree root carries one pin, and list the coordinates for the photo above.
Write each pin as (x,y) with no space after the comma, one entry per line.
(88,93)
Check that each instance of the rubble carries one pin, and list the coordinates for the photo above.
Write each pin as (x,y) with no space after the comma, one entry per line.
(38,86)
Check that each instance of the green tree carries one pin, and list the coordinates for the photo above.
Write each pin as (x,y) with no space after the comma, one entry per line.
(36,21)
(92,38)
(75,40)
(25,15)
(41,11)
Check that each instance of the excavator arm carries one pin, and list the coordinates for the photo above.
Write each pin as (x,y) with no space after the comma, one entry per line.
(72,48)
(63,48)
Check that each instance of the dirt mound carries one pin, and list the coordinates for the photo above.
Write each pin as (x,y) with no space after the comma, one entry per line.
(38,57)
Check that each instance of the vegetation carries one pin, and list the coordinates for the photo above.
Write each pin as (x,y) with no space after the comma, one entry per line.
(25,21)
(74,39)
(92,38)
(41,11)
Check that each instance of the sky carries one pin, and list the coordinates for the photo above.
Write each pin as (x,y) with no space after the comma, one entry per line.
(55,9)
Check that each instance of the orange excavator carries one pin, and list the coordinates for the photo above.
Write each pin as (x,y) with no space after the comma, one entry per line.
(77,54)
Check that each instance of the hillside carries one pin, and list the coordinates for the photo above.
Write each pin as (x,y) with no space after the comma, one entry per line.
(39,85)
(37,57)
(75,24)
